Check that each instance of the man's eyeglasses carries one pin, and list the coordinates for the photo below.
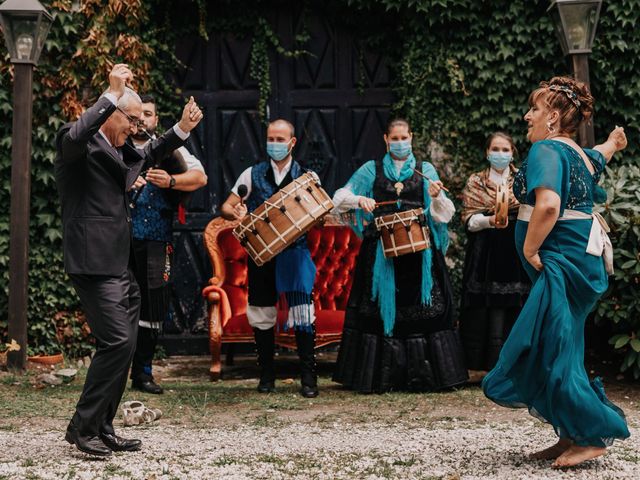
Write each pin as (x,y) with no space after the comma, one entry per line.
(136,122)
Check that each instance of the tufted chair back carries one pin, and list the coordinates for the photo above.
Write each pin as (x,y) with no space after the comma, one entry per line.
(333,248)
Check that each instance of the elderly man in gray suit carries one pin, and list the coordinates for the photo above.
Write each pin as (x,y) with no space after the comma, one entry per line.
(94,169)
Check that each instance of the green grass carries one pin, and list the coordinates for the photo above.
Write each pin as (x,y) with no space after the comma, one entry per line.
(112,470)
(406,462)
(32,476)
(71,473)
(226,460)
(628,454)
(194,401)
(9,379)
(204,404)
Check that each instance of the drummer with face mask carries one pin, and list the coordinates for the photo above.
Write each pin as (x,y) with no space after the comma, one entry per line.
(291,273)
(398,330)
(495,285)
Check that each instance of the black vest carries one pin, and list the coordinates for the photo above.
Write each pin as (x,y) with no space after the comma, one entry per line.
(412,195)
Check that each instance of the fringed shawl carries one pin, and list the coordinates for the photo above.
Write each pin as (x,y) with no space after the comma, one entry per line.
(479,195)
(383,285)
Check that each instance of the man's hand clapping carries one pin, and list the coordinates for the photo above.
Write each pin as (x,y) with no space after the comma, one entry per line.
(191,116)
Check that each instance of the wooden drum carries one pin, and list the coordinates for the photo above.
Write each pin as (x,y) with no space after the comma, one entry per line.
(403,232)
(502,205)
(283,218)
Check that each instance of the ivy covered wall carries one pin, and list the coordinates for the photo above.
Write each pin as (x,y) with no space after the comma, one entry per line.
(462,69)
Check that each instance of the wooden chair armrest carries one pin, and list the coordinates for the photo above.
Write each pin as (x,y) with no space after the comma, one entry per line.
(216,255)
(215,341)
(211,294)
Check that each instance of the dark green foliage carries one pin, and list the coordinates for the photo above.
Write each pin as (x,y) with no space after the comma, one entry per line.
(621,305)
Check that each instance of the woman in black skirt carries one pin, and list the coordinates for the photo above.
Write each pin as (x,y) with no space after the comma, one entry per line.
(398,331)
(495,285)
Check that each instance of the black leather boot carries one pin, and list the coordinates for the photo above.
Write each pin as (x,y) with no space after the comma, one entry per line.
(265,345)
(141,376)
(306,342)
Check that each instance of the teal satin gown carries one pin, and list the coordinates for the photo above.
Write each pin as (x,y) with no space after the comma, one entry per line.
(541,365)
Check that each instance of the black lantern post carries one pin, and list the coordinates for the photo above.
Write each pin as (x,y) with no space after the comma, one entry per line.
(575,23)
(25,24)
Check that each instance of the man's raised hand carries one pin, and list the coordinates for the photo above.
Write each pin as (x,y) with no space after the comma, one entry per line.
(118,78)
(191,116)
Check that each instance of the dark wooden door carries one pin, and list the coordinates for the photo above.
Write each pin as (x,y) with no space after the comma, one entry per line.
(338,97)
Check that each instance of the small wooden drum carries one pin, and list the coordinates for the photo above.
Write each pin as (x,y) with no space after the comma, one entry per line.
(502,205)
(283,218)
(403,232)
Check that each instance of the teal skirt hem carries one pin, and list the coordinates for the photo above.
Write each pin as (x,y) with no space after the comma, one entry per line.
(541,365)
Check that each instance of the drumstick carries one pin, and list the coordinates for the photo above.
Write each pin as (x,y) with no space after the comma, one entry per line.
(424,176)
(387,202)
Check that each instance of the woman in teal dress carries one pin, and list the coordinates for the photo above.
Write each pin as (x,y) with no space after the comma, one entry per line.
(567,254)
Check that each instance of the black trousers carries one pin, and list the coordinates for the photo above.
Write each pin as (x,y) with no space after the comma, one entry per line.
(262,284)
(112,307)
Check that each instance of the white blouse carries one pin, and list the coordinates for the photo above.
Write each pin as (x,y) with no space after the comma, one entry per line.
(441,209)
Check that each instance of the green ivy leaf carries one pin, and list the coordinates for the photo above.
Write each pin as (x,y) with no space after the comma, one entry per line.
(622,341)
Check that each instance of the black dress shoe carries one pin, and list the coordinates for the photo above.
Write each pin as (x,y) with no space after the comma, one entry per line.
(90,445)
(309,391)
(266,386)
(119,444)
(147,386)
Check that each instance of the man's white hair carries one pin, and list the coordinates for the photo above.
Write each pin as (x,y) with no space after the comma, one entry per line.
(127,97)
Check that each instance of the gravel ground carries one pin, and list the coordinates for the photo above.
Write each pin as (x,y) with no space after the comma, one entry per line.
(227,430)
(450,450)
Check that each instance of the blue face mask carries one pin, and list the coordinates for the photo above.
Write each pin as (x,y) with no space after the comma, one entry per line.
(400,149)
(500,160)
(278,150)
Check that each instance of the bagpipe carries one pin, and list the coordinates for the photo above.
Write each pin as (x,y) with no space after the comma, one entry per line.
(172,164)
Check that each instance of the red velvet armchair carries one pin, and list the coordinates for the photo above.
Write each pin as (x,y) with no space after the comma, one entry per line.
(334,249)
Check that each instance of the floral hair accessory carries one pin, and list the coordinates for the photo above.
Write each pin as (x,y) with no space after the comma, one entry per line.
(571,95)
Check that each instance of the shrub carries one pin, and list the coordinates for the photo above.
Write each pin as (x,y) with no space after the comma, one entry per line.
(621,303)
